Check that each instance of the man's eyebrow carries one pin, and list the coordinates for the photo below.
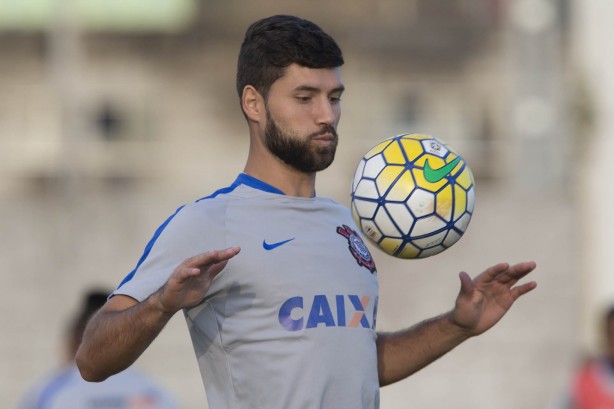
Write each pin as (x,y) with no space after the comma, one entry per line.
(309,88)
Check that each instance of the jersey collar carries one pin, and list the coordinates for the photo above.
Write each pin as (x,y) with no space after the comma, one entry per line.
(245,179)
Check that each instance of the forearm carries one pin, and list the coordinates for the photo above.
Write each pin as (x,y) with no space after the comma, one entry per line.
(403,353)
(114,339)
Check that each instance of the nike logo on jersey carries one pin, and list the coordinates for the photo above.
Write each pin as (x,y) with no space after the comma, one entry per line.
(272,246)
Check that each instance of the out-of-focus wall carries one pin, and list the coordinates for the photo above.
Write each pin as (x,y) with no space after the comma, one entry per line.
(103,135)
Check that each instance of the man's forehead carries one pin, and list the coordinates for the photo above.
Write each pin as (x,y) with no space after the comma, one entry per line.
(299,77)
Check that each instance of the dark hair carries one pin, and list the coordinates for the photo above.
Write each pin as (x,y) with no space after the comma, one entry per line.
(273,43)
(93,300)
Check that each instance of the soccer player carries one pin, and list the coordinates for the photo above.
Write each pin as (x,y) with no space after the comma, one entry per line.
(277,287)
(592,384)
(64,388)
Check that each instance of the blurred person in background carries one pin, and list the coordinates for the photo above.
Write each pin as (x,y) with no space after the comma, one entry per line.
(278,289)
(64,388)
(592,384)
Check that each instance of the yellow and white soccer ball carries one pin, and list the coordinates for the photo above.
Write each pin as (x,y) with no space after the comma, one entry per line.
(413,196)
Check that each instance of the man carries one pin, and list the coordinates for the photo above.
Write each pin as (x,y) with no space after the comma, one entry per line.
(282,310)
(65,389)
(592,385)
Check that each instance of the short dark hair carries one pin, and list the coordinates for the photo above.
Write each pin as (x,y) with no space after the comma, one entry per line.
(273,43)
(92,301)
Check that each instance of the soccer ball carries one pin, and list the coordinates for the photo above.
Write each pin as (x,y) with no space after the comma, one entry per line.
(413,196)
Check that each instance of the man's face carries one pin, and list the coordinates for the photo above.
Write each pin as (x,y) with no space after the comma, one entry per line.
(303,110)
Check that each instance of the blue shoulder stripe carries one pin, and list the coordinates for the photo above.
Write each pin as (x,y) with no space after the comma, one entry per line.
(242,179)
(245,179)
(219,192)
(149,247)
(160,229)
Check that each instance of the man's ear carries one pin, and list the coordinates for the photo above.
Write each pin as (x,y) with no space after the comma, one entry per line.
(252,104)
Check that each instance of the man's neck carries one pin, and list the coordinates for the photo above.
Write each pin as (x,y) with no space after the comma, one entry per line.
(290,181)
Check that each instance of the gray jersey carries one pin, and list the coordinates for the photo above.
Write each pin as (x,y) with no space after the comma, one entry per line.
(290,321)
(129,389)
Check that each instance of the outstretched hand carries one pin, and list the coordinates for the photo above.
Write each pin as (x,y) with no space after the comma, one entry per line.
(484,300)
(190,281)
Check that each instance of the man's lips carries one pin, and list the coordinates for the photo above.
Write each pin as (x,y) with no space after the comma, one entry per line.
(325,137)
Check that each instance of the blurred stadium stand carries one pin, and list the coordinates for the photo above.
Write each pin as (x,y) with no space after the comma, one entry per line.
(65,73)
(114,113)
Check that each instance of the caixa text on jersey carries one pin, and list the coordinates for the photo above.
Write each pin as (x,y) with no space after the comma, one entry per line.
(341,310)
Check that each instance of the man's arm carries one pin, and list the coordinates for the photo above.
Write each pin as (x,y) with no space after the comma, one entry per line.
(481,303)
(123,328)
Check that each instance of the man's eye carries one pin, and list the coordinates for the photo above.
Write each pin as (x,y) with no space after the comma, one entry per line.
(303,98)
(335,100)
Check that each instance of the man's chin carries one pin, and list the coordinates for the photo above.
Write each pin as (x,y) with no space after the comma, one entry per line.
(325,163)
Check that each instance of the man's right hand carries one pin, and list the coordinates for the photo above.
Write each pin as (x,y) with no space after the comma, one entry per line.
(190,281)
(123,328)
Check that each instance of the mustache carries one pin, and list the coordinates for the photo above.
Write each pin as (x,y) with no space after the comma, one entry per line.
(326,129)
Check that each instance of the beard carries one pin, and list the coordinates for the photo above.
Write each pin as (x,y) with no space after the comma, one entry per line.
(298,152)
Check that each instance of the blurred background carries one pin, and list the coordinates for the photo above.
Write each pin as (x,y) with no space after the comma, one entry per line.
(114,113)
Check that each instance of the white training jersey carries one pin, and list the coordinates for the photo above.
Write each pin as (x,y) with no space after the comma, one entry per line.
(290,321)
(129,389)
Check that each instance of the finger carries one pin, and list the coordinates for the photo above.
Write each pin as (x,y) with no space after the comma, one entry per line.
(506,274)
(466,283)
(523,289)
(214,269)
(183,274)
(516,272)
(522,269)
(491,273)
(224,255)
(210,257)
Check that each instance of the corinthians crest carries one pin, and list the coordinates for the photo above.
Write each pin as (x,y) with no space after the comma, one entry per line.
(357,247)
